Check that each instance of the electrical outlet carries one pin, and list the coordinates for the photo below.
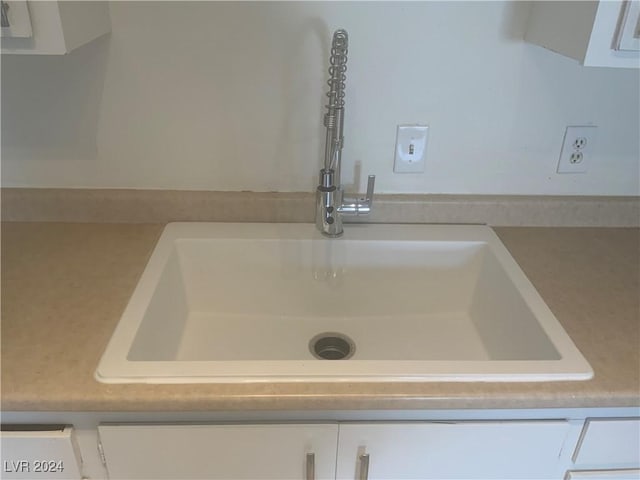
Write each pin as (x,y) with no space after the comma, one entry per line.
(577,149)
(411,148)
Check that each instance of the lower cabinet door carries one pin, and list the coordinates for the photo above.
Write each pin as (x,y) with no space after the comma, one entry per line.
(160,451)
(465,450)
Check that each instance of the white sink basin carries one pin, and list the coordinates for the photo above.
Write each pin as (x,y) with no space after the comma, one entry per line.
(245,302)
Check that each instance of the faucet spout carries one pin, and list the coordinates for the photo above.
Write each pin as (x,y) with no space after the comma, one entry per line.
(330,204)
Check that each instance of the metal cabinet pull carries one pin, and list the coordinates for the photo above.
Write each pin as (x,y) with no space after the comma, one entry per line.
(311,466)
(364,466)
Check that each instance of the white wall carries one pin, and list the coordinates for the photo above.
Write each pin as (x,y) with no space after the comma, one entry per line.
(229,96)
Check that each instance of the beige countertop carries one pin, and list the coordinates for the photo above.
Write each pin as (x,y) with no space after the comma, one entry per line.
(64,287)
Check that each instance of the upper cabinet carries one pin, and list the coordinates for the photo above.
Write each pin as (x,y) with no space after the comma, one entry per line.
(597,34)
(51,27)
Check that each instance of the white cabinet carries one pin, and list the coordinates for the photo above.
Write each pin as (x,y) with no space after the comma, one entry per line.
(553,444)
(43,452)
(219,451)
(52,27)
(413,450)
(597,34)
(478,450)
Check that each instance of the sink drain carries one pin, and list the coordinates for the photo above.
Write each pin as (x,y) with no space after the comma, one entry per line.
(332,346)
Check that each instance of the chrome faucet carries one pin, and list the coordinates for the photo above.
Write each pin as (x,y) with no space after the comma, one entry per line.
(331,204)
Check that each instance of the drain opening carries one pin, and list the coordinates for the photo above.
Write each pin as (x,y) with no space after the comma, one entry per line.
(332,346)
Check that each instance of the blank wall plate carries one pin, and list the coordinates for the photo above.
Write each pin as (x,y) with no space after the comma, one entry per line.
(411,148)
(577,149)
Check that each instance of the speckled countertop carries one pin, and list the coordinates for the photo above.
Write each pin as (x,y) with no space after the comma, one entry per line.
(64,287)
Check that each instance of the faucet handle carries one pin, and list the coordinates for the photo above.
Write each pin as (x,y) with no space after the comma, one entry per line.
(371,183)
(359,206)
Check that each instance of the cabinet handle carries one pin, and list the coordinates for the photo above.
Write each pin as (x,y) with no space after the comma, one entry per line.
(311,466)
(364,466)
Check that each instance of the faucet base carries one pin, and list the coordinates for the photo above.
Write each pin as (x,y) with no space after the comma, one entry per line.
(331,206)
(328,219)
(332,235)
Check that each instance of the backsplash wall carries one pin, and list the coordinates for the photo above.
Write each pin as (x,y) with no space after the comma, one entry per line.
(229,96)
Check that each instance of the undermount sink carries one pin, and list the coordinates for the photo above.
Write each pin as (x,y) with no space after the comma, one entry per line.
(221,302)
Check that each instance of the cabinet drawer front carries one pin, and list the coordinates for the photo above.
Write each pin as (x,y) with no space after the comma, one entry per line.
(161,451)
(616,474)
(49,454)
(465,450)
(609,442)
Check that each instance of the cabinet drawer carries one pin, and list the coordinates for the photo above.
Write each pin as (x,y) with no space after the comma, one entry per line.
(605,442)
(46,452)
(615,474)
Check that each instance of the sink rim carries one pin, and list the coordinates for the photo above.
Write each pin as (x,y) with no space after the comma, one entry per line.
(571,366)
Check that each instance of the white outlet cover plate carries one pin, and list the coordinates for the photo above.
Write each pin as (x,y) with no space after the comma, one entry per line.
(579,142)
(411,148)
